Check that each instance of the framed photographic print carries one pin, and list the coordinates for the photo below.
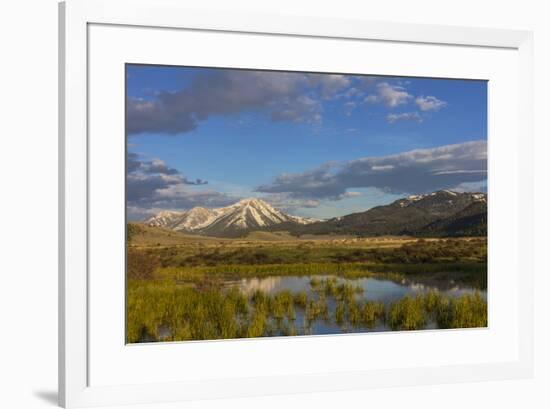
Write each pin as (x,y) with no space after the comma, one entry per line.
(258,204)
(290,230)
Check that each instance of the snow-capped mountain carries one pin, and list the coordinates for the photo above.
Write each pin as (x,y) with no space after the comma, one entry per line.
(247,214)
(166,218)
(441,213)
(442,201)
(182,221)
(444,212)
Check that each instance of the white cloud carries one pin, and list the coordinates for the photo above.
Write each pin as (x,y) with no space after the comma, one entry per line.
(430,103)
(300,109)
(289,204)
(226,92)
(389,95)
(416,171)
(153,185)
(284,96)
(330,84)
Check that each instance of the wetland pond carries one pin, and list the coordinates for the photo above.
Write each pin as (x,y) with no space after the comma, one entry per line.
(226,307)
(328,290)
(248,289)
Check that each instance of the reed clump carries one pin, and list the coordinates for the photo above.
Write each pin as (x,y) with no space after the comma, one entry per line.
(407,314)
(413,313)
(373,312)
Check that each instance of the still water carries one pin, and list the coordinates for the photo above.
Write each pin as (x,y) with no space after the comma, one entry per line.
(374,289)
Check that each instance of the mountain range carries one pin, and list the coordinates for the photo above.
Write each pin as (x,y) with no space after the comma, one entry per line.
(441,213)
(235,220)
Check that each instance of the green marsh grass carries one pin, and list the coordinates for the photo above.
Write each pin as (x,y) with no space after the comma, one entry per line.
(162,310)
(176,292)
(407,314)
(373,312)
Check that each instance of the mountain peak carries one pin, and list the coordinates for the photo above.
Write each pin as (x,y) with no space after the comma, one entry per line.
(246,214)
(442,192)
(440,213)
(252,201)
(440,200)
(164,218)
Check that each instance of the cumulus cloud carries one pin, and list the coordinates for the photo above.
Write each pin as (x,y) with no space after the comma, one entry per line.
(132,162)
(330,84)
(416,171)
(389,95)
(157,166)
(158,115)
(352,92)
(140,186)
(152,185)
(318,183)
(287,96)
(177,196)
(288,204)
(280,96)
(429,103)
(300,109)
(405,116)
(176,200)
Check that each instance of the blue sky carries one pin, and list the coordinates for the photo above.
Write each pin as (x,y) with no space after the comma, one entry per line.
(317,145)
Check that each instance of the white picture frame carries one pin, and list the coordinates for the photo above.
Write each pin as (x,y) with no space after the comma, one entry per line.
(76,18)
